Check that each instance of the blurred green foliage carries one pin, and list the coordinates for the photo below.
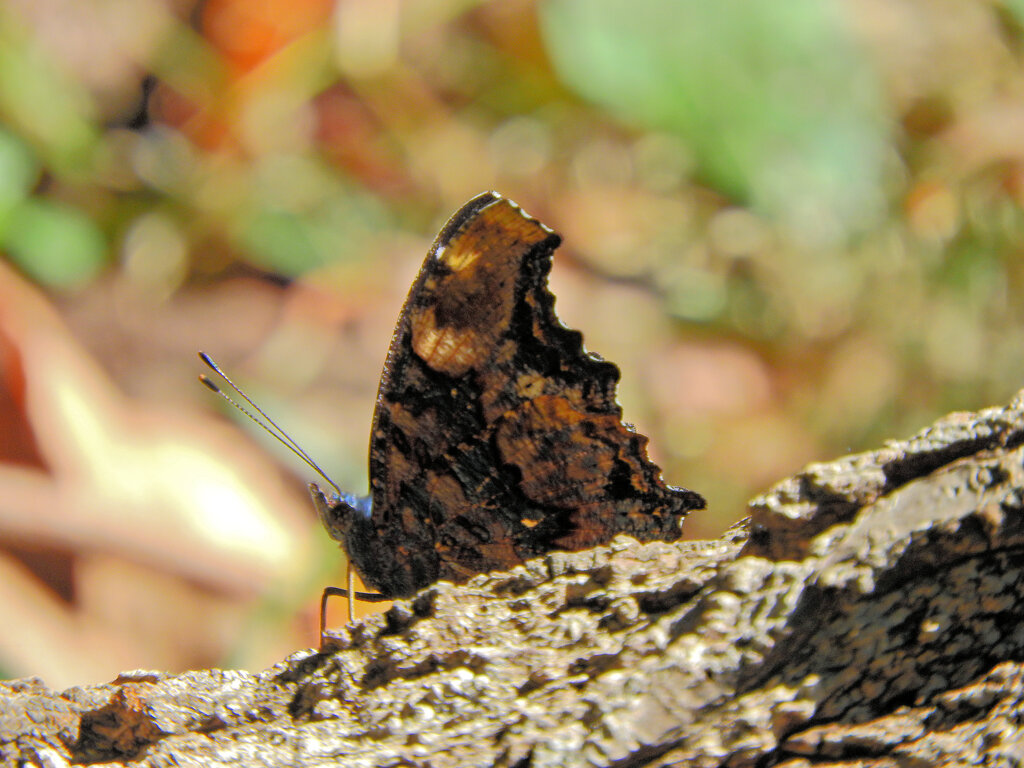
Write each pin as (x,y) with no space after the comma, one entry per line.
(55,244)
(47,105)
(777,104)
(301,217)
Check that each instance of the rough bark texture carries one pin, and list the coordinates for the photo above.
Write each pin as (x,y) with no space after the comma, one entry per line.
(869,612)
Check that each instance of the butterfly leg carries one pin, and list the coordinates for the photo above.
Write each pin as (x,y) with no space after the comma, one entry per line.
(350,575)
(328,593)
(351,595)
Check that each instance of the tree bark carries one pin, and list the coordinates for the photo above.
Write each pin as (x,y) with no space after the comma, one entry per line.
(868,612)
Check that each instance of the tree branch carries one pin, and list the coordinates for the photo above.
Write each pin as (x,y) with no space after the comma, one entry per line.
(869,610)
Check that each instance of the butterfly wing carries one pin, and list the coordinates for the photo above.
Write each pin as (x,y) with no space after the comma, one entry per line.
(496,437)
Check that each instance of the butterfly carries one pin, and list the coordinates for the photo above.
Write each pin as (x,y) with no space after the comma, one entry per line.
(496,437)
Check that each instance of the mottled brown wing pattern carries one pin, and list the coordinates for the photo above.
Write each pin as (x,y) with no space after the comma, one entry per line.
(496,437)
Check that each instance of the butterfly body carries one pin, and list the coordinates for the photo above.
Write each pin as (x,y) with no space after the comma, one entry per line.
(496,436)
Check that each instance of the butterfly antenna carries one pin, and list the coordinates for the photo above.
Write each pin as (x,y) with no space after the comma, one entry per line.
(273,429)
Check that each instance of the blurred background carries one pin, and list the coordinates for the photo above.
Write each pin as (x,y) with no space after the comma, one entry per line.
(795,226)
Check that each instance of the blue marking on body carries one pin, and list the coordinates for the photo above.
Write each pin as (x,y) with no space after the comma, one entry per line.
(361,504)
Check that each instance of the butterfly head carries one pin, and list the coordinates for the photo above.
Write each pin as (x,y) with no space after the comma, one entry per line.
(340,513)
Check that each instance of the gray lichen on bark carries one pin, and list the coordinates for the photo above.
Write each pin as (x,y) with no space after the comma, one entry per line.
(868,611)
